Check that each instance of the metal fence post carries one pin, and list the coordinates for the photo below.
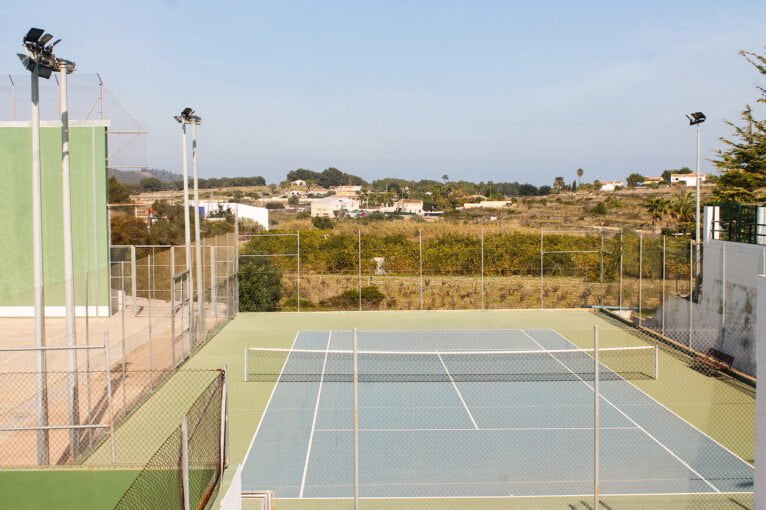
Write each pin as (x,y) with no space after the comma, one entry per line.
(133,284)
(224,414)
(149,293)
(691,291)
(542,278)
(482,268)
(122,339)
(299,270)
(601,254)
(621,252)
(108,371)
(596,421)
(640,273)
(359,265)
(723,287)
(420,260)
(662,302)
(185,460)
(173,306)
(356,419)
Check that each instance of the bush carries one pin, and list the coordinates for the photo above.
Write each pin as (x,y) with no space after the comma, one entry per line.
(348,300)
(260,285)
(600,209)
(274,205)
(322,223)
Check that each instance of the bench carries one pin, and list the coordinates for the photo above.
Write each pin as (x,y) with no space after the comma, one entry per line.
(716,359)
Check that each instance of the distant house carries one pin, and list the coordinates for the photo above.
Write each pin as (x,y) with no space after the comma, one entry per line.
(488,204)
(298,182)
(409,206)
(611,185)
(260,215)
(329,207)
(347,191)
(653,180)
(688,180)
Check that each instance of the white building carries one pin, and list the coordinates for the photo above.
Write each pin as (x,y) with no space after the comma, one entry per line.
(611,185)
(688,180)
(488,204)
(347,191)
(328,207)
(409,206)
(298,182)
(260,215)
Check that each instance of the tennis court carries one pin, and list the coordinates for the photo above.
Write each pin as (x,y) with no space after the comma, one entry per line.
(472,414)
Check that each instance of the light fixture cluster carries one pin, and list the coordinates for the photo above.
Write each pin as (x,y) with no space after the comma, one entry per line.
(696,118)
(40,54)
(188,117)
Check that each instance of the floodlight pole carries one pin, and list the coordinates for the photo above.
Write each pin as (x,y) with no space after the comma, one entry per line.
(39,277)
(69,300)
(187,237)
(197,242)
(697,219)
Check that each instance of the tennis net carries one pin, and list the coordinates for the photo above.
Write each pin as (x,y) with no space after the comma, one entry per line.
(308,365)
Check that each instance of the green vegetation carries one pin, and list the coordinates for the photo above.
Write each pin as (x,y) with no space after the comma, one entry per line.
(743,162)
(321,223)
(260,285)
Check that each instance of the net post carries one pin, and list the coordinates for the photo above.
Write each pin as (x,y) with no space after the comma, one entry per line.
(108,371)
(356,420)
(656,362)
(224,412)
(245,365)
(596,420)
(185,460)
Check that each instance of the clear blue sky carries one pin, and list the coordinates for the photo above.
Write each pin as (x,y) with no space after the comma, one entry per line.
(481,90)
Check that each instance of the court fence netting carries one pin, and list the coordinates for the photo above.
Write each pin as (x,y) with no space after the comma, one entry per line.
(626,421)
(185,471)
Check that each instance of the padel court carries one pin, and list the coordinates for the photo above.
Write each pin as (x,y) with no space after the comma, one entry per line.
(472,414)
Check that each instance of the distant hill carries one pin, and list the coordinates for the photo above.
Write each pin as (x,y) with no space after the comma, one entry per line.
(133,177)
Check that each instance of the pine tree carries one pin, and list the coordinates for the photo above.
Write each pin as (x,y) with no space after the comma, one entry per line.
(743,162)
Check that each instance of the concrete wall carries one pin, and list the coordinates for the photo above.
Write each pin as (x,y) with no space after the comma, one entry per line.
(726,315)
(87,162)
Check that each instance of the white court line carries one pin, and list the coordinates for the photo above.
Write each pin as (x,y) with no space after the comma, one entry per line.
(629,418)
(511,429)
(530,496)
(475,426)
(268,403)
(316,412)
(665,407)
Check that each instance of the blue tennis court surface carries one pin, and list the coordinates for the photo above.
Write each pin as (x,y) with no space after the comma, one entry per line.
(475,438)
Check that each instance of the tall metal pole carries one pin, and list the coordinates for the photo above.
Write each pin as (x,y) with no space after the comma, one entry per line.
(621,252)
(596,421)
(187,236)
(299,270)
(39,277)
(640,273)
(662,304)
(69,303)
(482,268)
(542,278)
(197,242)
(697,218)
(359,265)
(356,418)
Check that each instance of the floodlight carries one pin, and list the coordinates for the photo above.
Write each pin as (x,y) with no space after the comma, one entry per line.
(44,39)
(178,118)
(696,118)
(33,35)
(195,119)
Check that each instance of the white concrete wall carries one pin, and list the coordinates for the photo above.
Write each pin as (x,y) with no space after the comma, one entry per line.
(259,215)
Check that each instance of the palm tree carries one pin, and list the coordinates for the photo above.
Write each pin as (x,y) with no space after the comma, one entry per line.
(580,172)
(684,207)
(658,208)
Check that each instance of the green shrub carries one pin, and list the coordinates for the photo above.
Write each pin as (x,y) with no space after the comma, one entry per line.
(260,285)
(348,300)
(321,223)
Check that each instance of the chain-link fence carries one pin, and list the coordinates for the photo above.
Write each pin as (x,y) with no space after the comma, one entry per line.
(140,317)
(185,471)
(533,418)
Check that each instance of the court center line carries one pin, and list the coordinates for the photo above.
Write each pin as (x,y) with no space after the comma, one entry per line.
(316,412)
(665,407)
(457,390)
(682,461)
